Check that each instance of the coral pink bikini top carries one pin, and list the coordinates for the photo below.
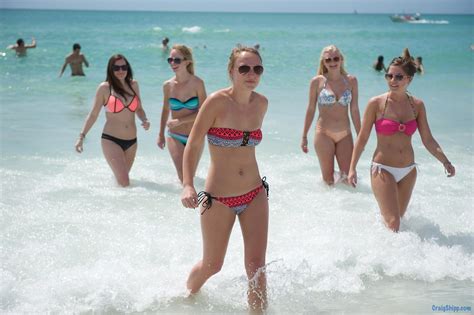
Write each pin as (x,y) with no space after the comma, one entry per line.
(388,127)
(115,105)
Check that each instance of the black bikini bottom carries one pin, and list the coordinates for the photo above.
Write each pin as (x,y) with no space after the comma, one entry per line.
(124,144)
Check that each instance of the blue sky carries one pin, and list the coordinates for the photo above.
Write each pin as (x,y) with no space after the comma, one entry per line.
(323,6)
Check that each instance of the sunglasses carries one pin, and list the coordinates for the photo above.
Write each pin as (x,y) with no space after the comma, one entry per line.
(118,68)
(398,77)
(335,59)
(258,70)
(176,61)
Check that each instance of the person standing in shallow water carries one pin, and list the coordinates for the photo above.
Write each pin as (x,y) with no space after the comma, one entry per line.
(379,65)
(119,95)
(334,93)
(20,47)
(231,118)
(75,60)
(396,116)
(183,94)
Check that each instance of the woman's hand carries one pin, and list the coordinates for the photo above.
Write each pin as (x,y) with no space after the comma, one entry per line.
(146,124)
(189,197)
(304,144)
(172,123)
(78,145)
(449,169)
(161,142)
(352,178)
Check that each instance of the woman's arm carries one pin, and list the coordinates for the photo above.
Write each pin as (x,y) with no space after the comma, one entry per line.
(310,111)
(140,111)
(429,141)
(355,114)
(100,99)
(204,120)
(364,134)
(164,116)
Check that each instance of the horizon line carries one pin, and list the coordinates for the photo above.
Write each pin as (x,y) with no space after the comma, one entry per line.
(355,12)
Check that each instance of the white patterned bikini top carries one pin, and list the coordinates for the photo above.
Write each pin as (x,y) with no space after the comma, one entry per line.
(327,98)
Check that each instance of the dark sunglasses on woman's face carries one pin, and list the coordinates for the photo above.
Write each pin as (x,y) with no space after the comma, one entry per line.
(335,59)
(398,77)
(258,70)
(118,68)
(176,61)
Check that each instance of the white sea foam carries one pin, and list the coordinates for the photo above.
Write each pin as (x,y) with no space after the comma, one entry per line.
(192,29)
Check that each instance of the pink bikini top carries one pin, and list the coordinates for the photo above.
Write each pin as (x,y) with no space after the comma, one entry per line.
(388,127)
(115,105)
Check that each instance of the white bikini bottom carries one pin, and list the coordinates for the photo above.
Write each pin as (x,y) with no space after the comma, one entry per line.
(397,172)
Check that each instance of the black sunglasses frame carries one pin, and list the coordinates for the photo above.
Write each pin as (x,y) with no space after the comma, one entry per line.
(335,59)
(116,68)
(176,61)
(397,77)
(244,69)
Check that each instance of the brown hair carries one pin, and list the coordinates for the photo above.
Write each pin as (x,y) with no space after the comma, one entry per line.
(236,52)
(322,68)
(112,79)
(187,54)
(406,62)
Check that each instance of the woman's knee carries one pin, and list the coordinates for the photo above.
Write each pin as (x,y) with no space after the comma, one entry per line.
(253,265)
(328,179)
(393,223)
(211,268)
(123,180)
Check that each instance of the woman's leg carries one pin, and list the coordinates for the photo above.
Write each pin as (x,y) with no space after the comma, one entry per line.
(176,149)
(325,149)
(344,154)
(254,225)
(386,193)
(130,154)
(405,188)
(118,161)
(216,226)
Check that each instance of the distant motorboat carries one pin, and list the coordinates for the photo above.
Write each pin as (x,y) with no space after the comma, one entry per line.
(405,18)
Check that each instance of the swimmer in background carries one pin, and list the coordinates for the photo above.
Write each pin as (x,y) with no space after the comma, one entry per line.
(20,47)
(75,61)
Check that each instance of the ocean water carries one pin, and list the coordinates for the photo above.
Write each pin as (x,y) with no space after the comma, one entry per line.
(73,242)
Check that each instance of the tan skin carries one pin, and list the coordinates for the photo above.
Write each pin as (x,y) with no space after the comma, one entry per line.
(395,150)
(182,86)
(333,118)
(20,50)
(120,125)
(232,172)
(75,60)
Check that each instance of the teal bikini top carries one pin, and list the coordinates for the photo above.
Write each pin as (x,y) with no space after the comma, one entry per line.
(327,98)
(191,104)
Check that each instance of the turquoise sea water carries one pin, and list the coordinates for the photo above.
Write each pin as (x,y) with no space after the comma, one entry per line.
(71,241)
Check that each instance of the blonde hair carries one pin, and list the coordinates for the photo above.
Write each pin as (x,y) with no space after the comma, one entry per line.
(187,54)
(322,68)
(236,52)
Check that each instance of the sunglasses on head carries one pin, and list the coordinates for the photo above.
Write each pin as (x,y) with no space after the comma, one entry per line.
(176,61)
(118,68)
(258,70)
(398,77)
(335,59)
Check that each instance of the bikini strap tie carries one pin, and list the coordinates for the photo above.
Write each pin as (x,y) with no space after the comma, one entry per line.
(265,185)
(205,200)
